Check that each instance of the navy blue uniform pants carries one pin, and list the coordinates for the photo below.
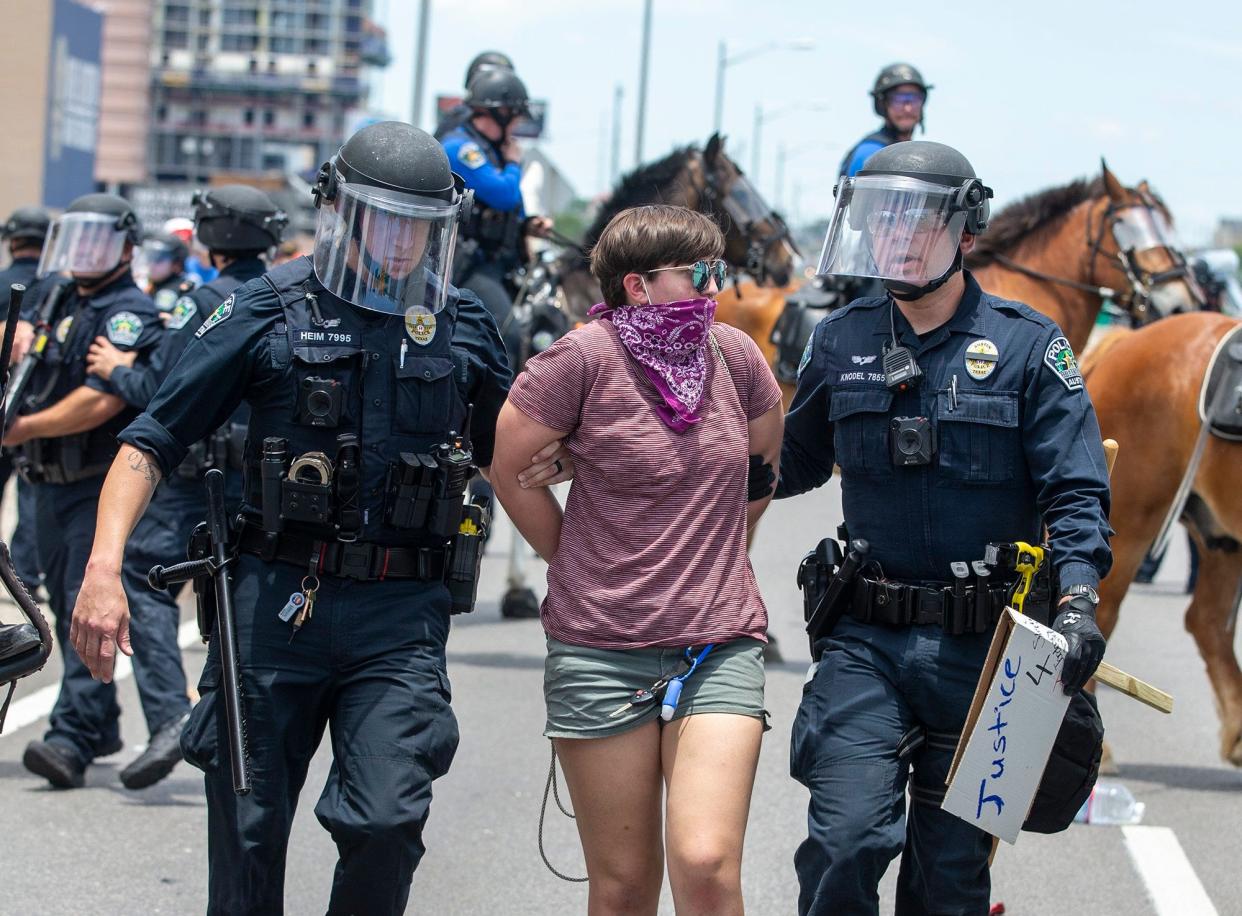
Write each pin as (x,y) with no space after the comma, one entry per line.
(369,664)
(873,685)
(85,719)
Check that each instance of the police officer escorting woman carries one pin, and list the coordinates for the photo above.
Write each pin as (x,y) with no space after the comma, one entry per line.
(958,419)
(360,365)
(66,440)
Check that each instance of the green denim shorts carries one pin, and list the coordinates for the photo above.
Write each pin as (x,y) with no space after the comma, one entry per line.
(582,687)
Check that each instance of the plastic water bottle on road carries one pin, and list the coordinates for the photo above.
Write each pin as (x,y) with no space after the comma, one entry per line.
(1110,804)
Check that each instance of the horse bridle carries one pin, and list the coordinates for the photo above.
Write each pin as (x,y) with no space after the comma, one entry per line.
(758,243)
(1142,282)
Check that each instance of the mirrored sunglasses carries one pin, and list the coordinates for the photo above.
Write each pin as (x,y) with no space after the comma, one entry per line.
(702,273)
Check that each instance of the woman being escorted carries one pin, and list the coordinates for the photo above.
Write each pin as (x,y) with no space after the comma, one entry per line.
(649,583)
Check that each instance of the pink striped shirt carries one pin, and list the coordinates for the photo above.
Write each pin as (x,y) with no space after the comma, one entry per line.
(653,543)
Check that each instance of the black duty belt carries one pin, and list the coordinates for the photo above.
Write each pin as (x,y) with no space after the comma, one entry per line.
(897,604)
(349,560)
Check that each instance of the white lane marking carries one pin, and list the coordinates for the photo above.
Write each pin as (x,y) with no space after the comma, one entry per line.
(1171,882)
(31,709)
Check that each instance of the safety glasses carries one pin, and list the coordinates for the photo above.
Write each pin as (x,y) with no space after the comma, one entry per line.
(913,221)
(702,273)
(913,99)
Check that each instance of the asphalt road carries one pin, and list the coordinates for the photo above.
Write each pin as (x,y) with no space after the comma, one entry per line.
(106,850)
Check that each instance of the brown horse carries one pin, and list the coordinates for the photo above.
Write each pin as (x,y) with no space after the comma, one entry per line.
(757,241)
(1146,394)
(1064,251)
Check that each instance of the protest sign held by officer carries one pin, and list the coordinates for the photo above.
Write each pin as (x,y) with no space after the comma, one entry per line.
(373,386)
(958,419)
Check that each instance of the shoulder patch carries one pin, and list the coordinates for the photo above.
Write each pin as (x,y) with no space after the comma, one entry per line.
(182,313)
(1060,359)
(471,156)
(124,329)
(807,352)
(223,311)
(164,300)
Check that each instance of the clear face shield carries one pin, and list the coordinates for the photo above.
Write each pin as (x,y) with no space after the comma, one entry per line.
(83,244)
(154,261)
(890,227)
(383,250)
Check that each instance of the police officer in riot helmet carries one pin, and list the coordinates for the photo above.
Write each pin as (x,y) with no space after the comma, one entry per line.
(65,439)
(959,420)
(161,263)
(374,388)
(898,96)
(460,113)
(23,232)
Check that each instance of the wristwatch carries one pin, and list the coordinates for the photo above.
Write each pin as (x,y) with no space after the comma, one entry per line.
(1086,591)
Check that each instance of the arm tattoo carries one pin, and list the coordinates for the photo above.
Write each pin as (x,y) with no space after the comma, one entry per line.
(139,463)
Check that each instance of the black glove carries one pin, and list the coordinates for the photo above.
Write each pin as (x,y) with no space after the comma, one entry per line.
(760,480)
(1076,622)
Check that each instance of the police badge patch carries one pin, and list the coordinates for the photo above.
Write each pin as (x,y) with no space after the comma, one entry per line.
(471,156)
(807,351)
(1060,359)
(124,329)
(981,359)
(223,311)
(420,324)
(62,329)
(181,313)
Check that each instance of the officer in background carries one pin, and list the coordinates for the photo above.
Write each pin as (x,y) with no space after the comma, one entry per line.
(460,113)
(65,444)
(485,153)
(958,419)
(160,264)
(24,232)
(898,96)
(373,386)
(238,225)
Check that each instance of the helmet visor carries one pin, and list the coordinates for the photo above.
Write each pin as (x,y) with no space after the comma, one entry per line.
(385,250)
(891,227)
(82,243)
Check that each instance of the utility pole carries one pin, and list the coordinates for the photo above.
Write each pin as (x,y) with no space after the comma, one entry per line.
(615,172)
(642,84)
(722,61)
(420,61)
(757,136)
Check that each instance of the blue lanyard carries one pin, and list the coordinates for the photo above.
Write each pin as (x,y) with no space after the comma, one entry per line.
(672,693)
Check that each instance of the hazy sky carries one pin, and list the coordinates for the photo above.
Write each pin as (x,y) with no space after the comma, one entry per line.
(1033,93)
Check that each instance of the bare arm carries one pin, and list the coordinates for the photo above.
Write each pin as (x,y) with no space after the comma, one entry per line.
(101,615)
(81,409)
(766,433)
(534,510)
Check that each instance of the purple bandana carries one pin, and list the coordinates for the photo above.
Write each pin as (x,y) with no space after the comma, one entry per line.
(669,341)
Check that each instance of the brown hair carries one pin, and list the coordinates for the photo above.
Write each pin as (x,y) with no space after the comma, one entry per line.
(641,239)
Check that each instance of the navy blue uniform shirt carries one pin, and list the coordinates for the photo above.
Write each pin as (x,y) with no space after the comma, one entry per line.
(22,271)
(405,383)
(1017,446)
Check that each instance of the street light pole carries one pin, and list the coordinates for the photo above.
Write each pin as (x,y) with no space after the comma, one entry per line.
(722,61)
(642,84)
(615,171)
(420,61)
(757,140)
(778,197)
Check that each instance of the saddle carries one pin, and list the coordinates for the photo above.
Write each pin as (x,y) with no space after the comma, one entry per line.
(1220,397)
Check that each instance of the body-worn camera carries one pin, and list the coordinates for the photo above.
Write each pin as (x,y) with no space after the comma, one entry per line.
(319,402)
(912,441)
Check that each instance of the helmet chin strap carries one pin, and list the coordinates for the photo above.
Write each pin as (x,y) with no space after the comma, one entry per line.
(908,292)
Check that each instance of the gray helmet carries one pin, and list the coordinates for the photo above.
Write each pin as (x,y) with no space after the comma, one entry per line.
(111,205)
(175,247)
(237,218)
(392,155)
(493,90)
(937,164)
(30,223)
(892,76)
(487,60)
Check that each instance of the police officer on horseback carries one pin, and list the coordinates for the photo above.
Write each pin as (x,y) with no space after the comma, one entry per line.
(898,96)
(958,420)
(460,113)
(374,388)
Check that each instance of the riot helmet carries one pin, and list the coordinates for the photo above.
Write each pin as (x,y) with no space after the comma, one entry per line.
(29,224)
(487,60)
(161,256)
(890,78)
(500,93)
(901,218)
(388,207)
(89,238)
(236,219)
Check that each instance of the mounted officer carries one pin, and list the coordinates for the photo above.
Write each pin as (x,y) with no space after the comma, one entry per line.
(898,96)
(958,420)
(65,440)
(460,113)
(374,387)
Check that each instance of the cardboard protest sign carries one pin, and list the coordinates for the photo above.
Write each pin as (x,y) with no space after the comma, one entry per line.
(1013,722)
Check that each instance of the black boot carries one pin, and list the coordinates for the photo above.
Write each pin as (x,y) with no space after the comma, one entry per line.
(57,765)
(158,760)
